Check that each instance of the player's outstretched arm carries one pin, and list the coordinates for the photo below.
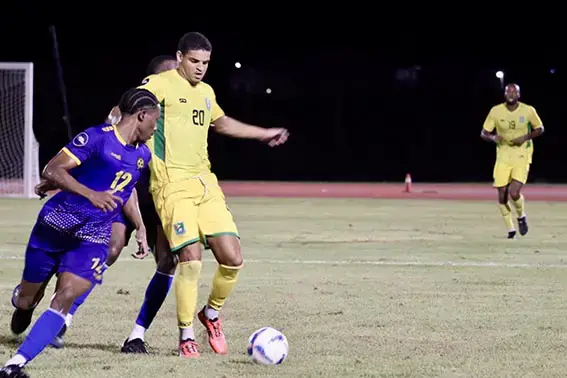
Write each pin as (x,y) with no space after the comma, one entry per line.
(236,129)
(57,173)
(132,211)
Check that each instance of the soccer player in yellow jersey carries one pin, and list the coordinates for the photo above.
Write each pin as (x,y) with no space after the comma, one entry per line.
(512,126)
(187,195)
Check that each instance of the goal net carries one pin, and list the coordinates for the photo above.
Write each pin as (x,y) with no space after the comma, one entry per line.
(19,150)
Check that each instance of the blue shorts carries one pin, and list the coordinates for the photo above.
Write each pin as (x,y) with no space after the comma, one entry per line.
(50,251)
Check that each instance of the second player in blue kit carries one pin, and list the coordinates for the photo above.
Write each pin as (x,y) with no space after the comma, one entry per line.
(97,173)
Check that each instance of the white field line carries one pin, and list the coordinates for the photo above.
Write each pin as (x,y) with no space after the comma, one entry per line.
(463,264)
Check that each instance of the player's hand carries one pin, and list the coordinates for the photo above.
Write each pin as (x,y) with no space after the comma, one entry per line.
(497,139)
(106,201)
(142,240)
(518,141)
(43,187)
(275,136)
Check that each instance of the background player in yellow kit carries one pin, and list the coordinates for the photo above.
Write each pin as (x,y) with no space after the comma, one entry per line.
(187,196)
(512,126)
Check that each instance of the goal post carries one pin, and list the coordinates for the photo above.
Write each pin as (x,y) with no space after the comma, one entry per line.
(19,150)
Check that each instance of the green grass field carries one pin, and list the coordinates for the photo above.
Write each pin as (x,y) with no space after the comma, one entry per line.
(361,288)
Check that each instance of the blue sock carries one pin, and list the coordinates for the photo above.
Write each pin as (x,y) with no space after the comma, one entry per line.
(156,293)
(79,301)
(42,333)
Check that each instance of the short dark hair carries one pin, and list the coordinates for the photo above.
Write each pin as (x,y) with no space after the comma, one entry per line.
(193,41)
(136,99)
(158,61)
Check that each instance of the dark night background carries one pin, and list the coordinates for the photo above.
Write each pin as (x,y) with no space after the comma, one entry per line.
(364,109)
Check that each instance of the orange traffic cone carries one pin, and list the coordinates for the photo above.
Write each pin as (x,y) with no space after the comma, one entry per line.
(407,189)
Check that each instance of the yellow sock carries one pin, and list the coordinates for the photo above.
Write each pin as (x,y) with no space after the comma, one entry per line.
(223,283)
(186,288)
(519,205)
(506,212)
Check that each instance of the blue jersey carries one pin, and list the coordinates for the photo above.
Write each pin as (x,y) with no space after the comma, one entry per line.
(105,162)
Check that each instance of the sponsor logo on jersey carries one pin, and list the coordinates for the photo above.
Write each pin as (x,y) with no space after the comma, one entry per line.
(81,139)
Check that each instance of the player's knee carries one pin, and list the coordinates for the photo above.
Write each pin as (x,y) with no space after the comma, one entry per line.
(64,298)
(167,263)
(190,252)
(234,258)
(515,194)
(231,255)
(227,251)
(26,296)
(114,250)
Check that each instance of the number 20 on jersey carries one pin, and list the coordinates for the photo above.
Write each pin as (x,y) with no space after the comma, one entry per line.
(198,117)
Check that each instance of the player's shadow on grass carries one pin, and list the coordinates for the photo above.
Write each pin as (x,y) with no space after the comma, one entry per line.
(10,340)
(103,347)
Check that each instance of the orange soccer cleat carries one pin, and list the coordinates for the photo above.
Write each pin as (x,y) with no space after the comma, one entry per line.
(217,340)
(188,349)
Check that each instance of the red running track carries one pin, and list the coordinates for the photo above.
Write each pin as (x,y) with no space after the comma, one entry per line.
(390,191)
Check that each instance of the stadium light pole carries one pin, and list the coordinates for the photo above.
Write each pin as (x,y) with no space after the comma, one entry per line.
(500,76)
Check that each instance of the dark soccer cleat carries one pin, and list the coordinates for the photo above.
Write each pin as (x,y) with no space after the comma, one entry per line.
(523,225)
(13,371)
(511,234)
(134,346)
(21,319)
(58,341)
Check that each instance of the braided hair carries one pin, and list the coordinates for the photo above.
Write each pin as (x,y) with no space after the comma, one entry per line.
(136,99)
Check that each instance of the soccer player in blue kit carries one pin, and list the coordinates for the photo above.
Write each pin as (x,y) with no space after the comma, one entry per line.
(97,172)
(147,227)
(149,223)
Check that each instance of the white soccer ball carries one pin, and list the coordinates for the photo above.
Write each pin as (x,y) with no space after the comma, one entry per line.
(267,346)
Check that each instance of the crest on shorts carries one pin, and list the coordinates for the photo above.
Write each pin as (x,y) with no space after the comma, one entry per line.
(145,81)
(522,119)
(208,103)
(179,228)
(140,163)
(81,139)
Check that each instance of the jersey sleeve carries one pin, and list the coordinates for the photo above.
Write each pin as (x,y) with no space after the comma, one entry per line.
(155,84)
(489,122)
(84,145)
(534,119)
(216,110)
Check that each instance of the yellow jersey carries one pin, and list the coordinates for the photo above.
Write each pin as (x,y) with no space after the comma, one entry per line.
(511,125)
(179,145)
